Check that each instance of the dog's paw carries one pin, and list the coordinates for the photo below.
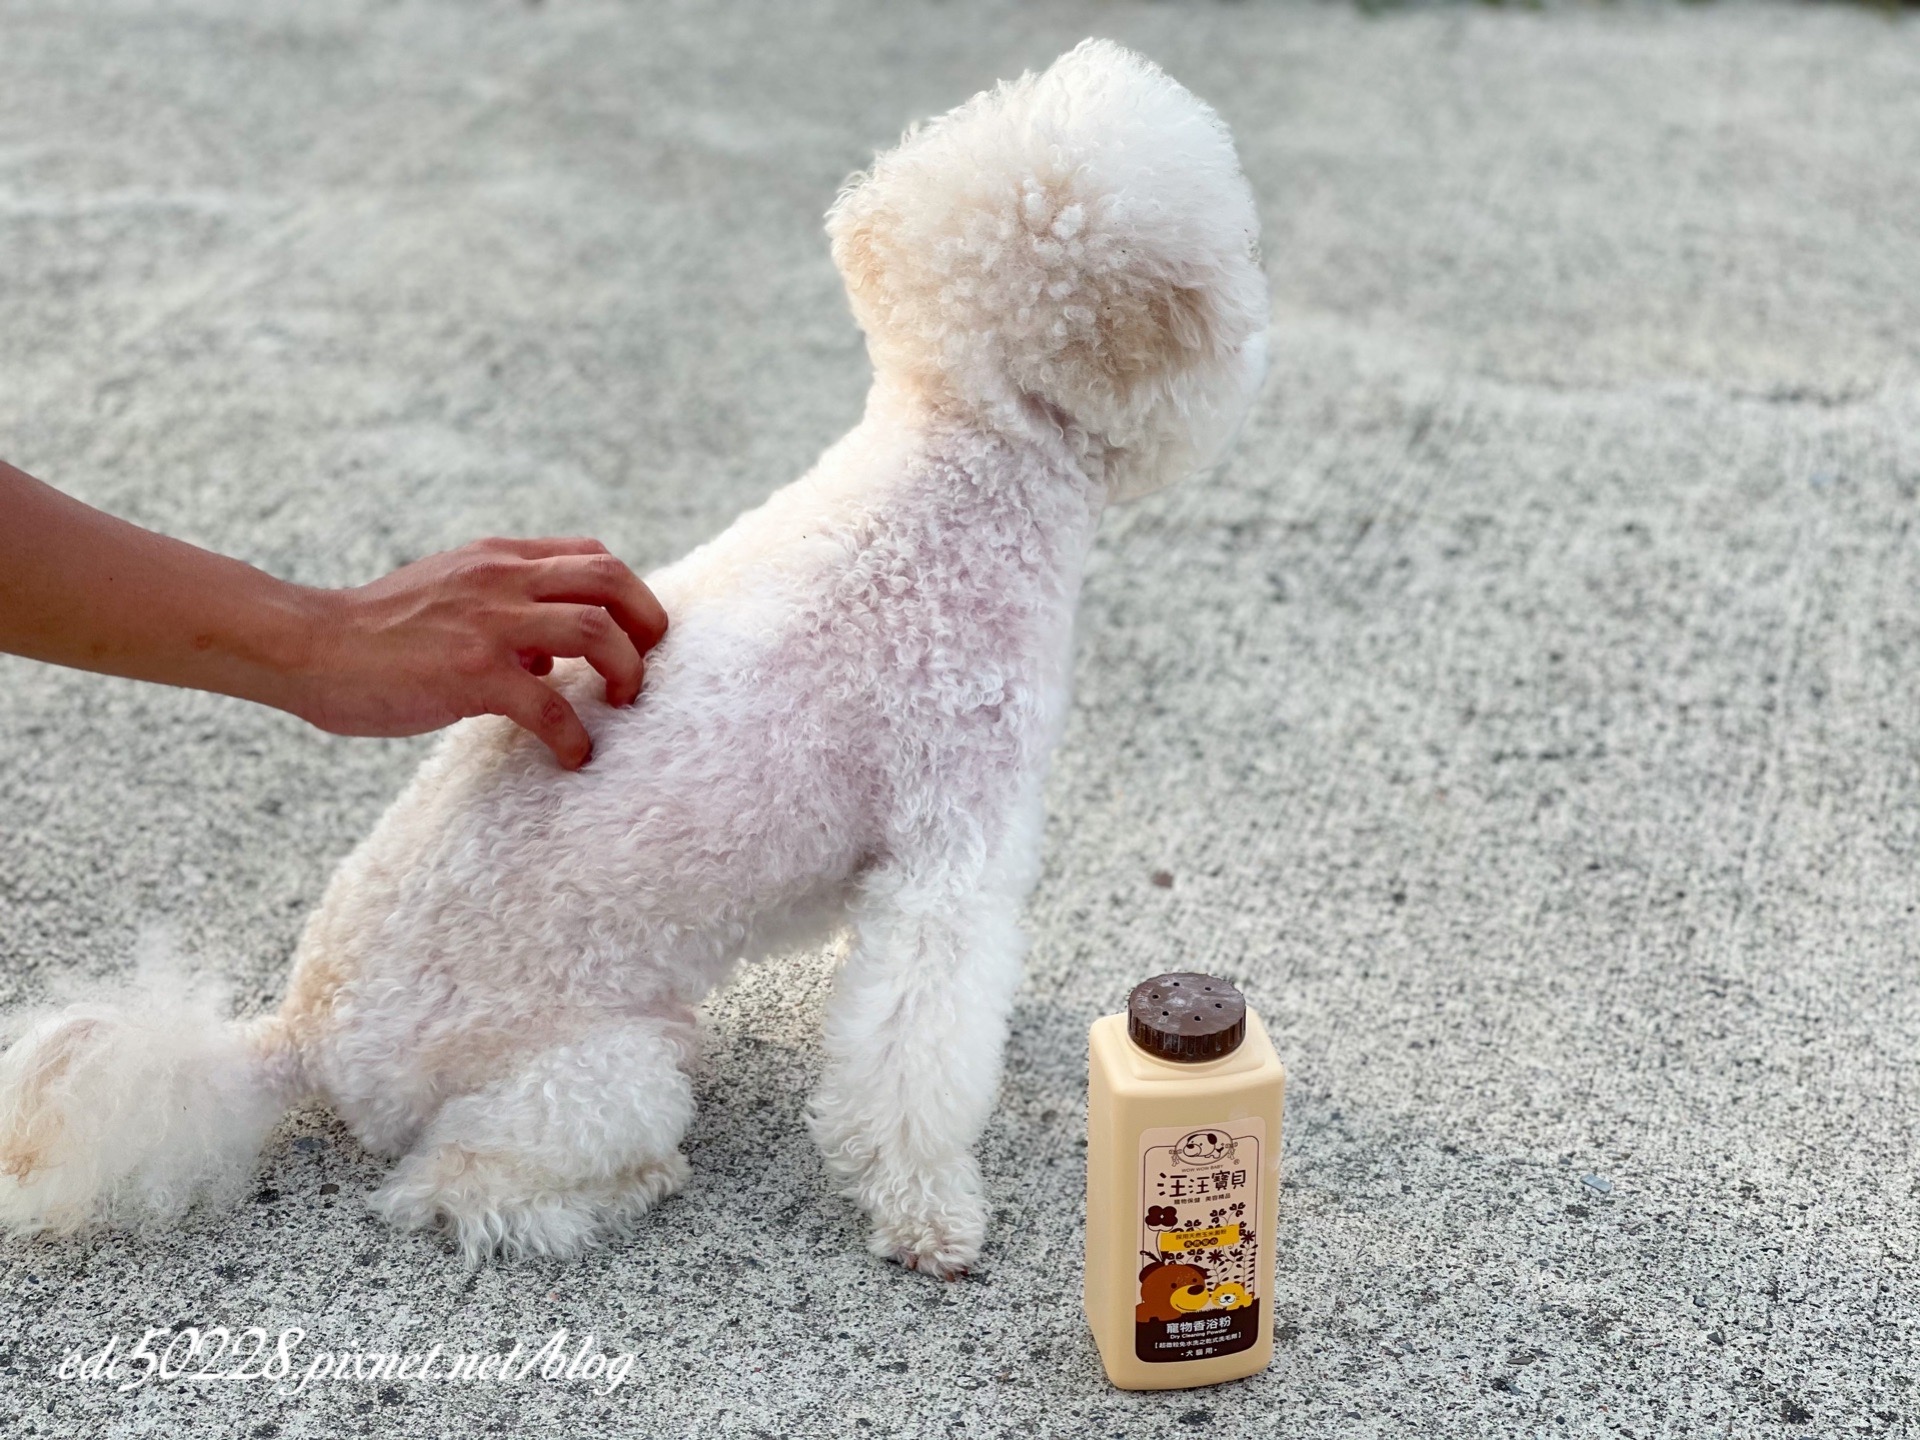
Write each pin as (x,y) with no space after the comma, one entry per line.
(933,1224)
(943,1256)
(494,1204)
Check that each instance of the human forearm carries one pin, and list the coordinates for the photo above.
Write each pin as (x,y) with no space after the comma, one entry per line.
(82,588)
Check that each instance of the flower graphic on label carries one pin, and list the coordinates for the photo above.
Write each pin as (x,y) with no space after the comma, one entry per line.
(1162,1216)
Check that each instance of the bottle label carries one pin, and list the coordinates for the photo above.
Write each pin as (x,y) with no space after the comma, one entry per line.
(1201,1278)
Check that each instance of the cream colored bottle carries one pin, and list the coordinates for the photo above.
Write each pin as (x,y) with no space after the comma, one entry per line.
(1183,1174)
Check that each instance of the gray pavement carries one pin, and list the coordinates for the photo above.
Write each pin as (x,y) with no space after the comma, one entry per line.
(1527,718)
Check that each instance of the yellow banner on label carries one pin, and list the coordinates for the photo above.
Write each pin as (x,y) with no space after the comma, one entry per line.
(1215,1237)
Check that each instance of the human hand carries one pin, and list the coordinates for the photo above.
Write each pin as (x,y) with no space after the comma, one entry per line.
(468,632)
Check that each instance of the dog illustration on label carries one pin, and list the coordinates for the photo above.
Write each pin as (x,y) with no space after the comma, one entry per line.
(1173,1290)
(1170,1290)
(1205,1147)
(1230,1296)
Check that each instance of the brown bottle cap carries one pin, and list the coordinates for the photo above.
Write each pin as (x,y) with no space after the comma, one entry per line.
(1186,1017)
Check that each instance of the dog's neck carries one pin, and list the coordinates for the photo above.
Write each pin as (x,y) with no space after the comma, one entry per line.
(1026,423)
(1032,490)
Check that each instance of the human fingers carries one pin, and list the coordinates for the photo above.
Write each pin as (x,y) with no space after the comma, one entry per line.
(604,581)
(590,632)
(541,710)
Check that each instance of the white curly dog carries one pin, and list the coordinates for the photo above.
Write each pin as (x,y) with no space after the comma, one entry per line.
(847,728)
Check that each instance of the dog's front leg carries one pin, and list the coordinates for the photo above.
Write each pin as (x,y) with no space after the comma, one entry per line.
(913,1037)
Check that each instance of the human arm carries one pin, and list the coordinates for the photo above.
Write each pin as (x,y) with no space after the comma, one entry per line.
(466,632)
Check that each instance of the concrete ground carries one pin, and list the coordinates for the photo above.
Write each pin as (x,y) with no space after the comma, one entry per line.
(1527,718)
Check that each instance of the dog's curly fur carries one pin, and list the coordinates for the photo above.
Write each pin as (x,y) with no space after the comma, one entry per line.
(847,727)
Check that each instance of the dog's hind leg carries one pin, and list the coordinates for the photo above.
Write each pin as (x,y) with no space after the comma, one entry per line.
(576,1143)
(914,1036)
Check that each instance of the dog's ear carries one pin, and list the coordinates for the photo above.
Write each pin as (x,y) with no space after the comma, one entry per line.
(856,252)
(1082,237)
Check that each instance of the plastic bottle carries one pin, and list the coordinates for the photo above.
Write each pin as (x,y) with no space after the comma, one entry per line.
(1183,1175)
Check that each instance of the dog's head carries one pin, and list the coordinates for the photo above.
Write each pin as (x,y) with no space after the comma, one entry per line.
(1079,245)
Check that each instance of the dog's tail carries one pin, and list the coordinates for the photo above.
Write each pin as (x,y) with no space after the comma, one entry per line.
(129,1110)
